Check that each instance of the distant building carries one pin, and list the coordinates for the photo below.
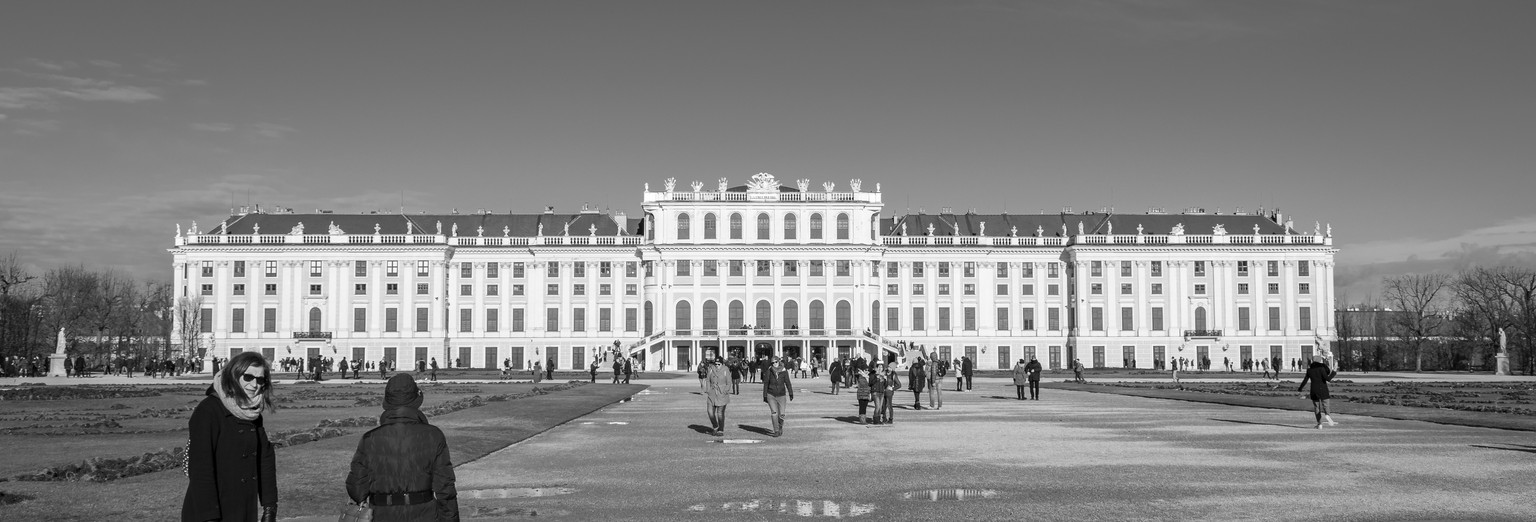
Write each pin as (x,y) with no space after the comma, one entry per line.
(758,269)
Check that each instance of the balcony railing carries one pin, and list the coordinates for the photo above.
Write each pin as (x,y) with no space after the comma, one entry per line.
(404,239)
(1191,334)
(1105,239)
(311,335)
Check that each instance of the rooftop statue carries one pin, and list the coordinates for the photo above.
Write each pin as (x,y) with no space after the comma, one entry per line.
(1330,230)
(1255,229)
(567,228)
(1219,230)
(1079,228)
(761,182)
(903,228)
(803,184)
(541,228)
(1290,224)
(455,229)
(828,185)
(1317,228)
(439,227)
(178,230)
(1109,227)
(983,231)
(223,228)
(193,230)
(335,230)
(698,186)
(723,184)
(668,184)
(1178,230)
(855,184)
(297,229)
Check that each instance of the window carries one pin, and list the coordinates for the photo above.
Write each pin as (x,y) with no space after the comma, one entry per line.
(466,319)
(682,226)
(579,289)
(815,226)
(1157,318)
(314,289)
(789,226)
(1244,321)
(891,289)
(1274,288)
(1242,289)
(552,289)
(1052,289)
(892,270)
(1028,319)
(579,319)
(207,289)
(552,320)
(917,289)
(842,226)
(917,270)
(392,288)
(269,320)
(493,270)
(970,269)
(205,320)
(421,319)
(1053,270)
(492,290)
(466,270)
(1200,289)
(684,268)
(1126,319)
(239,268)
(763,225)
(711,268)
(1053,319)
(1002,317)
(1304,319)
(1096,269)
(630,269)
(817,268)
(1303,268)
(1096,288)
(239,289)
(764,268)
(844,268)
(421,269)
(579,269)
(360,289)
(492,320)
(892,318)
(466,290)
(1002,290)
(1028,289)
(421,288)
(631,289)
(791,268)
(518,270)
(1097,314)
(943,268)
(736,268)
(1199,268)
(631,319)
(237,320)
(1157,269)
(207,270)
(1125,289)
(517,320)
(709,226)
(605,319)
(943,288)
(605,289)
(1274,318)
(271,268)
(1125,269)
(392,268)
(1028,270)
(917,318)
(1304,288)
(360,268)
(735,226)
(314,268)
(391,319)
(1002,270)
(270,289)
(969,318)
(1242,268)
(359,319)
(1274,269)
(552,270)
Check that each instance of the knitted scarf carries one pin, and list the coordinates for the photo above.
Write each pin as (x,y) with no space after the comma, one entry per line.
(249,413)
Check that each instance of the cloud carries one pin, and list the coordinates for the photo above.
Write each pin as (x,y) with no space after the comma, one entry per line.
(57,89)
(32,127)
(213,127)
(273,130)
(1362,266)
(52,66)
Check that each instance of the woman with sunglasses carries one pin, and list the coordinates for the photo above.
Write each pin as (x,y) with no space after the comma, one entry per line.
(231,469)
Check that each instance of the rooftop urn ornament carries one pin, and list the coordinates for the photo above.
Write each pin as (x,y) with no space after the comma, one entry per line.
(334,230)
(855,184)
(592,229)
(668,184)
(1255,229)
(506,230)
(480,231)
(297,229)
(1219,230)
(1014,232)
(1178,230)
(828,185)
(877,187)
(930,229)
(803,184)
(647,186)
(723,184)
(1139,230)
(256,229)
(224,228)
(376,228)
(1039,231)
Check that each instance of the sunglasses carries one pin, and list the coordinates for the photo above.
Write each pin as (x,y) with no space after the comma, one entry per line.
(263,380)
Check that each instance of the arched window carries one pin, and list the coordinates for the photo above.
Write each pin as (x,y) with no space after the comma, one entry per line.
(818,316)
(1200,318)
(711,316)
(789,226)
(815,226)
(762,227)
(314,320)
(842,226)
(684,316)
(844,316)
(874,316)
(791,316)
(736,315)
(709,225)
(682,226)
(650,318)
(764,315)
(735,226)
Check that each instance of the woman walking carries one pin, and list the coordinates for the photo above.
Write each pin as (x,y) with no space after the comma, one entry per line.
(231,470)
(862,392)
(877,387)
(836,373)
(402,468)
(1319,374)
(917,377)
(892,383)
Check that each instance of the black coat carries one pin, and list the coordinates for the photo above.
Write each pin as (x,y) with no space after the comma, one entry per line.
(967,367)
(916,376)
(1033,367)
(405,455)
(1319,375)
(229,463)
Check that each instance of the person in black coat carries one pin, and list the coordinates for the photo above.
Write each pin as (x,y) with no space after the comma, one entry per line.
(917,377)
(1033,369)
(231,469)
(967,368)
(1319,374)
(402,468)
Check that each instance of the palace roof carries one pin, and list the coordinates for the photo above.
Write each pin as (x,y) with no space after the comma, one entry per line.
(1096,223)
(469,225)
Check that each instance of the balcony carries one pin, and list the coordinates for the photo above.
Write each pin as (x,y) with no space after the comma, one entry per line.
(312,336)
(1202,334)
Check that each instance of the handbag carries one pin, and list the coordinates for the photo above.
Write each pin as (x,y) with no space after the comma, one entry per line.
(359,512)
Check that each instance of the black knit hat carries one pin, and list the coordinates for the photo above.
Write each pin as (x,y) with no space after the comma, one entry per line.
(402,391)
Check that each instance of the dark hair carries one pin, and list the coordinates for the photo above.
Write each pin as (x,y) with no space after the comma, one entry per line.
(236,367)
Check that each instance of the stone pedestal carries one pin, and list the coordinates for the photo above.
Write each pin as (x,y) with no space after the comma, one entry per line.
(1503,364)
(56,365)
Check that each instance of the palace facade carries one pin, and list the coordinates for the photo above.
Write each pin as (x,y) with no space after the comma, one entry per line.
(761,268)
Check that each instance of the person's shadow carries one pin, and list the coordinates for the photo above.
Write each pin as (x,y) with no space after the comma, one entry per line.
(754,429)
(850,419)
(706,430)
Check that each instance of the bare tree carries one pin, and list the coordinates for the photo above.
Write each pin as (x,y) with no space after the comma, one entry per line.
(1519,286)
(1482,307)
(1417,298)
(189,325)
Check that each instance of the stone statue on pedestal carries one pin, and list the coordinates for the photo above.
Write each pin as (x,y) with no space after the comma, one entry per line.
(56,360)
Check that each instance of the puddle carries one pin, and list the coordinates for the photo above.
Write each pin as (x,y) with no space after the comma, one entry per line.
(803,508)
(949,494)
(735,441)
(515,492)
(468,512)
(620,423)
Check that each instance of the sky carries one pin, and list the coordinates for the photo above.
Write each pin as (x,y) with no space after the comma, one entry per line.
(1408,126)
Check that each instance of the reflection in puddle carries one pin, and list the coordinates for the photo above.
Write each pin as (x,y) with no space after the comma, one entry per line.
(949,494)
(620,423)
(515,492)
(804,508)
(736,441)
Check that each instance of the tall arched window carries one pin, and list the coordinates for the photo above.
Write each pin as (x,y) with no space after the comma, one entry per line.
(314,320)
(736,315)
(815,226)
(844,316)
(762,227)
(791,315)
(874,316)
(650,318)
(818,316)
(764,315)
(709,225)
(1199,317)
(711,316)
(682,226)
(789,226)
(842,226)
(735,226)
(684,316)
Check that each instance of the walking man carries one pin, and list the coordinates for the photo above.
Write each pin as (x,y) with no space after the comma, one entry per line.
(1319,374)
(1020,379)
(967,368)
(717,391)
(433,375)
(917,377)
(1033,371)
(776,387)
